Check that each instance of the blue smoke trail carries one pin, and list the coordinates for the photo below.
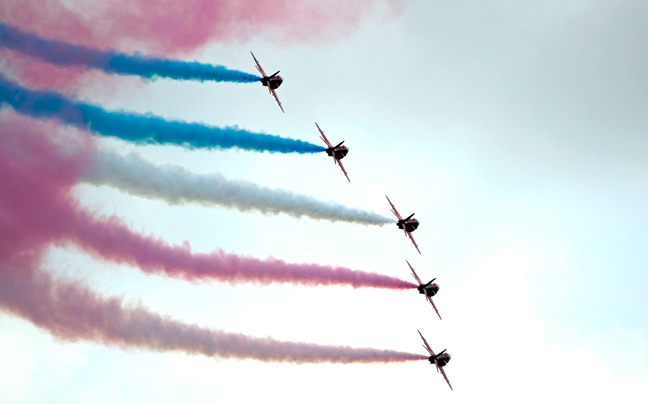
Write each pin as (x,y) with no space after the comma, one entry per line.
(139,128)
(63,54)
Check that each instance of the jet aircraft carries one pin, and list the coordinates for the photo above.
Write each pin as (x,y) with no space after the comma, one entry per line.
(439,360)
(272,82)
(337,152)
(429,289)
(408,225)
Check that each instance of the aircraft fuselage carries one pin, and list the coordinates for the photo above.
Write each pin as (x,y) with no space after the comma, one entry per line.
(441,360)
(410,225)
(339,152)
(429,290)
(273,82)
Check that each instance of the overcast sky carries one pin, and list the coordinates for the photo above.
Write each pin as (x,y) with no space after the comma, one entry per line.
(517,133)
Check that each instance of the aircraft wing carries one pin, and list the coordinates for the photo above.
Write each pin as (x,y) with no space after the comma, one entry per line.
(258,66)
(323,137)
(394,211)
(445,377)
(414,273)
(426,346)
(433,305)
(342,167)
(276,98)
(415,245)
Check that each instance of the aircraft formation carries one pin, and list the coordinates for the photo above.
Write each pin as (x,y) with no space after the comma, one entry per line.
(111,239)
(408,224)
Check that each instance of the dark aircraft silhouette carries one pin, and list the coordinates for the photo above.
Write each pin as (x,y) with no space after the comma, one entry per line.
(429,289)
(337,152)
(408,225)
(272,82)
(439,360)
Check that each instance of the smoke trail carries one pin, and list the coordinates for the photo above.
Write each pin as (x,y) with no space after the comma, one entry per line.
(142,128)
(170,28)
(72,312)
(35,184)
(165,27)
(112,240)
(34,197)
(176,185)
(64,54)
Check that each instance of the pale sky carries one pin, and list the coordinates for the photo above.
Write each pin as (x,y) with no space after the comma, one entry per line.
(518,135)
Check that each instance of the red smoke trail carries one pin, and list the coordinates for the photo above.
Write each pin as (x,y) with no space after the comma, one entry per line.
(170,26)
(73,313)
(35,181)
(175,28)
(111,240)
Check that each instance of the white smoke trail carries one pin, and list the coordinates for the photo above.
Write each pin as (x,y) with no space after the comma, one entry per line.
(176,185)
